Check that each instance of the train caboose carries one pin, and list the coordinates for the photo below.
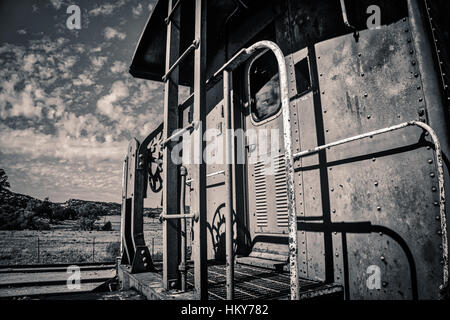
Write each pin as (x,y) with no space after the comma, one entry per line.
(309,159)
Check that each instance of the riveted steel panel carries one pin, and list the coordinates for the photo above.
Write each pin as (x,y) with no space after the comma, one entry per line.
(310,191)
(387,180)
(215,186)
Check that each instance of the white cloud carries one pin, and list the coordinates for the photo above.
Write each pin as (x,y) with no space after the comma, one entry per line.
(106,105)
(56,4)
(66,64)
(83,79)
(23,103)
(145,92)
(118,67)
(137,11)
(29,62)
(36,145)
(106,9)
(111,33)
(99,62)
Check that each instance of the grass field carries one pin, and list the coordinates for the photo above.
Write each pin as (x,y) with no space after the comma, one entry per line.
(64,244)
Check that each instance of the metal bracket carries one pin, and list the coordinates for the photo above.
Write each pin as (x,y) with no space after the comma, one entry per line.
(194,216)
(142,261)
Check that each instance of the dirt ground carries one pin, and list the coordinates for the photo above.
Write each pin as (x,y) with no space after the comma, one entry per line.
(64,244)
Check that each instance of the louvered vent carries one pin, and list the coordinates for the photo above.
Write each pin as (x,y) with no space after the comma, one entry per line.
(281,192)
(260,195)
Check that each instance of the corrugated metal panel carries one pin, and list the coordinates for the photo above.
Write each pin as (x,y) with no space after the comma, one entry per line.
(261,195)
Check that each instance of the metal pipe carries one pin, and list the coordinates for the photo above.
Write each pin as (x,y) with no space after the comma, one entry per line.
(191,48)
(199,249)
(292,212)
(227,87)
(440,169)
(182,266)
(179,133)
(344,15)
(208,175)
(178,216)
(347,22)
(169,16)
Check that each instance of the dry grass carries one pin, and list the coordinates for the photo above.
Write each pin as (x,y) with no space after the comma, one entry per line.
(63,244)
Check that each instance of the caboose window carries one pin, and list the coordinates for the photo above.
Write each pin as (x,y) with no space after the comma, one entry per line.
(264,85)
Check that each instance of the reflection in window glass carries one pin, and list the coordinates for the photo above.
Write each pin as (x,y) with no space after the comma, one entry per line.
(264,87)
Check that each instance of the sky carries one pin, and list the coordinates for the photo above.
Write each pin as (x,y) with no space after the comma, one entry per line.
(68,105)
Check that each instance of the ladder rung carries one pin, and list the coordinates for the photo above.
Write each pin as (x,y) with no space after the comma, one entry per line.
(175,7)
(187,102)
(193,125)
(191,48)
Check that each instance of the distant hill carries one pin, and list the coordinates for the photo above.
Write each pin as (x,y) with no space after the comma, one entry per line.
(110,208)
(16,200)
(20,201)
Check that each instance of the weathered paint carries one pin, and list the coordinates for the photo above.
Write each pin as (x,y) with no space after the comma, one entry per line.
(381,185)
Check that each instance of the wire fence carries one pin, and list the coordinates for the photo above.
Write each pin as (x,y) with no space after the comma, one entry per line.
(43,249)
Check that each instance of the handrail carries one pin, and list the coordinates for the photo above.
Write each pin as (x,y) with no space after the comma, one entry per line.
(289,160)
(440,169)
(175,7)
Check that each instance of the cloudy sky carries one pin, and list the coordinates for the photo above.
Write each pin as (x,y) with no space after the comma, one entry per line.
(68,106)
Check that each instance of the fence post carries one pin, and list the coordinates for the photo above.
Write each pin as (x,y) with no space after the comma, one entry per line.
(38,251)
(93,250)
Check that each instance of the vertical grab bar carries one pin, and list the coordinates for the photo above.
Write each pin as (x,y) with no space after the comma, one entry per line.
(182,266)
(227,87)
(289,160)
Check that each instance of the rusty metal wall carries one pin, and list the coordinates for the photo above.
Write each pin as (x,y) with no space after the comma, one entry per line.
(387,181)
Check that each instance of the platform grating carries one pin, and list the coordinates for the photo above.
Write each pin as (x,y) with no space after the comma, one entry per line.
(250,283)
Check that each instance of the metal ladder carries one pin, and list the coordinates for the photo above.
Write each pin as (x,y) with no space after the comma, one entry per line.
(173,206)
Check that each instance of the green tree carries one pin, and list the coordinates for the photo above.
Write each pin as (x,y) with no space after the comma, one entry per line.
(4,184)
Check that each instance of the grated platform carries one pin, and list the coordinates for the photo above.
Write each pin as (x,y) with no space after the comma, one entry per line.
(253,283)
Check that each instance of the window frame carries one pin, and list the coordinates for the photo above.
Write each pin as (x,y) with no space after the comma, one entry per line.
(249,106)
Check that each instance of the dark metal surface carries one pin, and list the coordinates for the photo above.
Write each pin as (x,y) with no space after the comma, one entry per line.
(364,86)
